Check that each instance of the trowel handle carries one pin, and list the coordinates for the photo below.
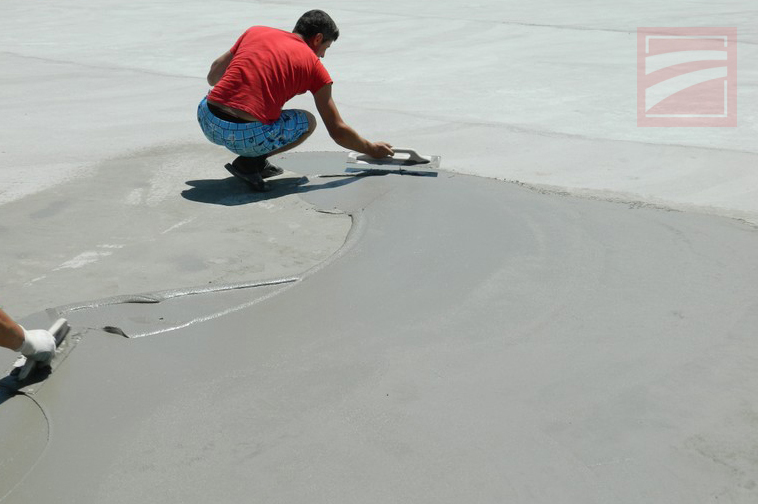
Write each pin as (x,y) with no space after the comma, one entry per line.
(412,154)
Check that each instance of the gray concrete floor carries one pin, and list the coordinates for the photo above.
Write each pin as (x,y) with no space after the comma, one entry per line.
(374,339)
(472,340)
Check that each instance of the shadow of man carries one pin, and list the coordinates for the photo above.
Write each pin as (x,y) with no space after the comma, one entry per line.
(232,192)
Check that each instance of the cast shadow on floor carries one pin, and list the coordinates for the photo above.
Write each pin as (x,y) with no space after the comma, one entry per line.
(10,386)
(232,192)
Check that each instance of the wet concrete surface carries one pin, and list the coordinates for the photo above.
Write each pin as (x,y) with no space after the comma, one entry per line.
(472,341)
(162,218)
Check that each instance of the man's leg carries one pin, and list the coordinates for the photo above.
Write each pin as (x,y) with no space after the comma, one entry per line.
(259,163)
(292,129)
(312,123)
(254,169)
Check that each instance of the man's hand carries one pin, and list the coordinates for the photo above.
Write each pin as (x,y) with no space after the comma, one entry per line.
(380,150)
(38,345)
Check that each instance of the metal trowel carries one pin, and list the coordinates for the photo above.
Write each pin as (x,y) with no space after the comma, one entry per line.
(403,158)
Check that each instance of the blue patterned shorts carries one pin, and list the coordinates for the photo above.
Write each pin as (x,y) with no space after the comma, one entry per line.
(253,138)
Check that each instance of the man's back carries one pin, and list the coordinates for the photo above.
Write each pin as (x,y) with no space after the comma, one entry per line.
(268,68)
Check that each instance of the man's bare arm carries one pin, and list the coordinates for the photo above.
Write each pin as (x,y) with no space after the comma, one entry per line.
(218,68)
(341,133)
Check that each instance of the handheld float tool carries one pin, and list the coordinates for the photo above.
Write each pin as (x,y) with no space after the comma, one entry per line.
(361,165)
(23,367)
(411,158)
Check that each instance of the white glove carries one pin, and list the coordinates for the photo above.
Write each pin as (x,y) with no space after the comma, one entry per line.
(39,345)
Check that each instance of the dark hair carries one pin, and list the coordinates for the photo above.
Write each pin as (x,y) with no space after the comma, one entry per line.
(314,22)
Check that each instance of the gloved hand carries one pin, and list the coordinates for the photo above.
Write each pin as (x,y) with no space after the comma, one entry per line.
(39,345)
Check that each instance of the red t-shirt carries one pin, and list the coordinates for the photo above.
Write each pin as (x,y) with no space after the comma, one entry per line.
(268,68)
